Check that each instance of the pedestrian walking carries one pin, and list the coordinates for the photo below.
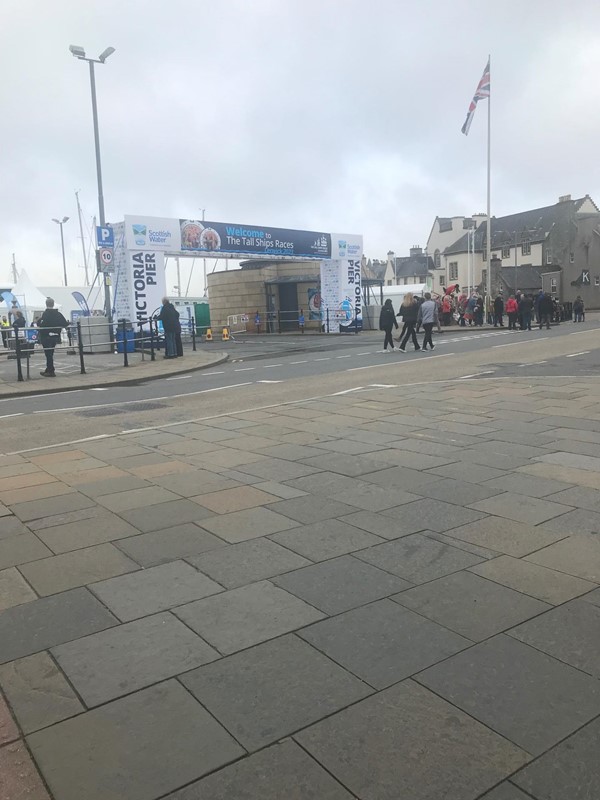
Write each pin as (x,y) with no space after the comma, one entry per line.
(536,304)
(50,326)
(428,317)
(257,322)
(499,311)
(409,311)
(387,321)
(478,314)
(18,321)
(525,311)
(512,309)
(578,310)
(169,316)
(546,309)
(301,321)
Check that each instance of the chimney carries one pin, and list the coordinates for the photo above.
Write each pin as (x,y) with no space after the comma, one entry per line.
(415,250)
(565,198)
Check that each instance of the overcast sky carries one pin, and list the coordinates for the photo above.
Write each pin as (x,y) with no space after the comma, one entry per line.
(333,115)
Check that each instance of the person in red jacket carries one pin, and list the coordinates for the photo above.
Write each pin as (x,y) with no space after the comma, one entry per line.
(512,309)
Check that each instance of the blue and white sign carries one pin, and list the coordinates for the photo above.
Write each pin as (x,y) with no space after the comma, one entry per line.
(105,236)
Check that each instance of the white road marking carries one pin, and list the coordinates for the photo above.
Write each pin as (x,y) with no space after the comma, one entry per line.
(145,400)
(271,366)
(179,377)
(269,381)
(476,374)
(583,353)
(525,341)
(300,362)
(348,356)
(97,389)
(391,362)
(19,414)
(383,385)
(323,359)
(215,373)
(347,391)
(244,369)
(363,354)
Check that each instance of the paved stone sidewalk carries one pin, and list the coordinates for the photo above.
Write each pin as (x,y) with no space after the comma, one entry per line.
(392,593)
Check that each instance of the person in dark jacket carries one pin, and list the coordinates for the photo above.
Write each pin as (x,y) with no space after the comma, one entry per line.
(525,311)
(169,316)
(499,312)
(18,321)
(387,321)
(546,309)
(50,326)
(409,311)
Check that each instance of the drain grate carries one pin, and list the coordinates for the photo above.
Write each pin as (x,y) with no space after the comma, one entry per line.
(108,411)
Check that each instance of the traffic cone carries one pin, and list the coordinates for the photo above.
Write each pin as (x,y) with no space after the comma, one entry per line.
(209,335)
(225,334)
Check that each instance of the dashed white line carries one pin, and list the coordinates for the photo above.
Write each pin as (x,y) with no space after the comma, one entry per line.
(525,341)
(4,416)
(270,366)
(348,356)
(244,369)
(477,374)
(583,353)
(323,359)
(222,372)
(299,362)
(392,362)
(178,377)
(364,354)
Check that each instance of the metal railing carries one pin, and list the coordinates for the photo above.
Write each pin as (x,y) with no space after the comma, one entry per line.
(123,337)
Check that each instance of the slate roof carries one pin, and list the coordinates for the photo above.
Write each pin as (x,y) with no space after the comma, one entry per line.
(529,278)
(411,266)
(536,223)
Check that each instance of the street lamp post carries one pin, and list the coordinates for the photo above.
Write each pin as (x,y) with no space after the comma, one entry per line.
(79,52)
(60,223)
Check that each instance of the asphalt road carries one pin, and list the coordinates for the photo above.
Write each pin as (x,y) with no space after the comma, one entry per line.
(260,374)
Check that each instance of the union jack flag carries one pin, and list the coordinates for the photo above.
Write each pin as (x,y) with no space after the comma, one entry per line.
(482,91)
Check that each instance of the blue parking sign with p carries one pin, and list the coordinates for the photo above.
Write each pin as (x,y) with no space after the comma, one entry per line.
(105,236)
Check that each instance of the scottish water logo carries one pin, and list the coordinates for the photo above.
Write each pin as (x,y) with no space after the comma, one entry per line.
(342,248)
(139,234)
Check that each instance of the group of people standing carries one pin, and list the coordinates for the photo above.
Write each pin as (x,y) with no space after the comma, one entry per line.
(524,309)
(416,313)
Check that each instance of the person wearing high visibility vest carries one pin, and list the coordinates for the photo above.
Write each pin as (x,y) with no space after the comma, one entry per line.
(4,329)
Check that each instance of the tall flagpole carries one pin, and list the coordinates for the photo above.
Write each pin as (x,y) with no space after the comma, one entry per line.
(489,194)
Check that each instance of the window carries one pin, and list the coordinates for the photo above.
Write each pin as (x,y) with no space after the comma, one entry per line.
(506,252)
(445,225)
(437,259)
(548,258)
(453,271)
(571,258)
(468,224)
(553,284)
(526,248)
(442,280)
(484,255)
(389,283)
(597,280)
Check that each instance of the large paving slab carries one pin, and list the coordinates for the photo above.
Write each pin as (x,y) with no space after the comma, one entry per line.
(570,770)
(470,605)
(237,499)
(546,584)
(14,589)
(105,527)
(506,791)
(526,696)
(316,509)
(383,643)
(522,508)
(35,626)
(504,536)
(77,568)
(243,617)
(281,772)
(11,526)
(138,747)
(327,539)
(35,509)
(578,554)
(570,633)
(152,590)
(433,515)
(165,515)
(8,729)
(38,692)
(272,690)
(376,523)
(121,660)
(246,562)
(341,584)
(248,524)
(159,547)
(136,498)
(407,743)
(21,548)
(417,558)
(580,520)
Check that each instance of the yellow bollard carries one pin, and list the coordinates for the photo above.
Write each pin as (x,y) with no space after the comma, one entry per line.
(209,335)
(225,334)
